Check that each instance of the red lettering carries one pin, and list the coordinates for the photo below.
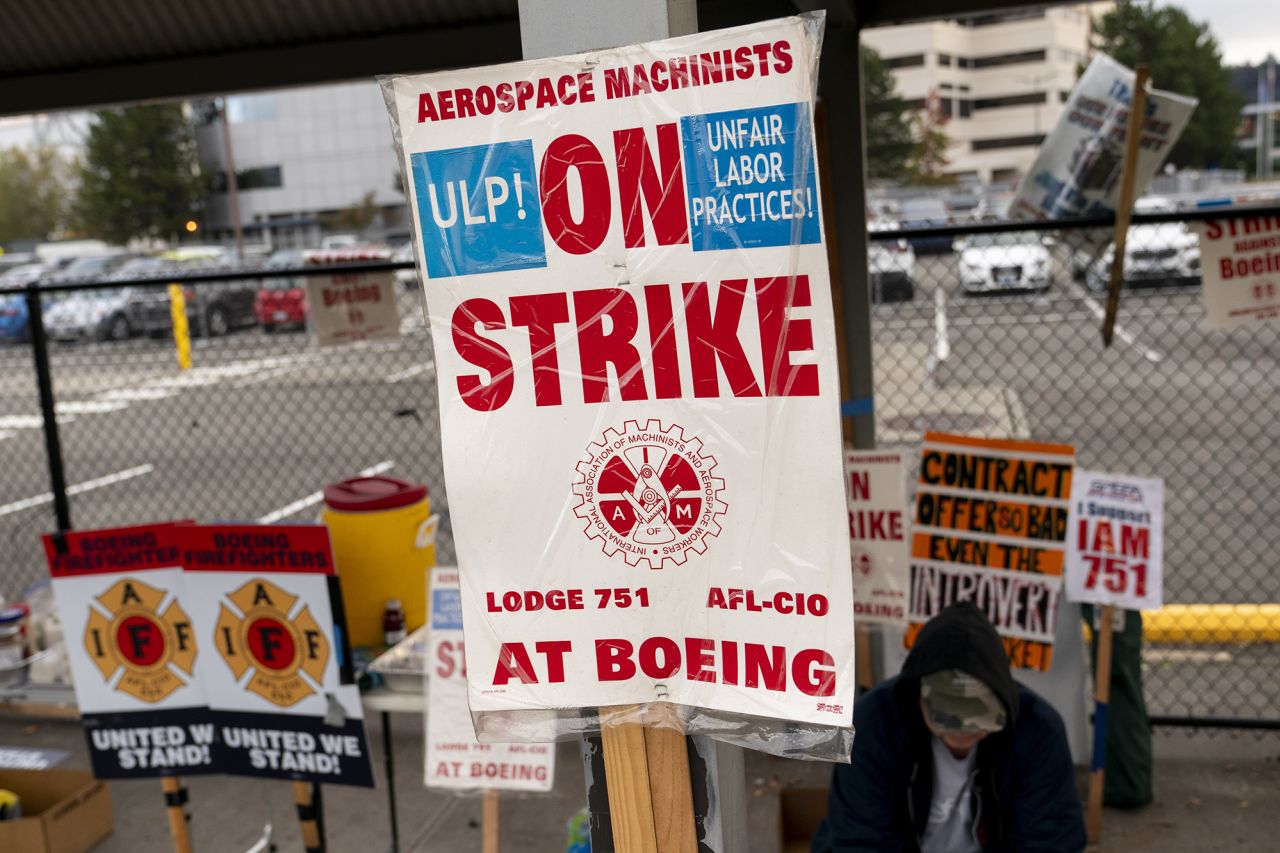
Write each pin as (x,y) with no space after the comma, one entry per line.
(426,108)
(513,662)
(554,651)
(649,651)
(572,151)
(697,652)
(613,660)
(663,193)
(782,56)
(780,336)
(541,313)
(714,340)
(662,339)
(766,666)
(813,673)
(597,349)
(483,353)
(466,104)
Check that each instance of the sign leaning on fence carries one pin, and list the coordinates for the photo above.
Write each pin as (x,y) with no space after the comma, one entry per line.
(350,307)
(878,534)
(275,669)
(1240,265)
(991,528)
(1077,170)
(1115,542)
(454,758)
(133,650)
(635,349)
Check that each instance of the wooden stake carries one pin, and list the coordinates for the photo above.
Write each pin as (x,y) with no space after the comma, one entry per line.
(175,798)
(1124,205)
(650,794)
(307,822)
(489,822)
(1102,695)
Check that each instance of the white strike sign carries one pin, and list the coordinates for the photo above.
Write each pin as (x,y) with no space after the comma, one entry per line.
(878,535)
(455,759)
(1240,264)
(350,307)
(1077,170)
(1115,541)
(630,306)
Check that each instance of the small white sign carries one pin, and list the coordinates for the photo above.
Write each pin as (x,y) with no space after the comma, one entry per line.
(878,535)
(1240,264)
(1115,541)
(350,307)
(455,759)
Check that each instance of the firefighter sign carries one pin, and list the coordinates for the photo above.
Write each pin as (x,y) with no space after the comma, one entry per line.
(285,654)
(134,650)
(266,603)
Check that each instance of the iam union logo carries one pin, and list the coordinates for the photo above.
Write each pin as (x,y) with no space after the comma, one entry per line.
(649,493)
(132,635)
(259,632)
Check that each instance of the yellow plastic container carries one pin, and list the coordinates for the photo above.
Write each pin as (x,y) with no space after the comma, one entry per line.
(383,534)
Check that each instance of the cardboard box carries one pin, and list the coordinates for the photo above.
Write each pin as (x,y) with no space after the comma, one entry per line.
(800,811)
(63,811)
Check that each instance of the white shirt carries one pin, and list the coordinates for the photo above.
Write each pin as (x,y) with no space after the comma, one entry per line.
(950,826)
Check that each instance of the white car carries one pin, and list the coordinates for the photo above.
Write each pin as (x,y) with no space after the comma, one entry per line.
(1155,255)
(1009,260)
(892,265)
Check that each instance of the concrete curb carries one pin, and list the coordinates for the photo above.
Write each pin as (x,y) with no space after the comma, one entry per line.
(1212,623)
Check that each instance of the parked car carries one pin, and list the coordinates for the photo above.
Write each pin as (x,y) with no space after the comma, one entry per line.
(892,264)
(91,267)
(1009,260)
(1155,255)
(92,315)
(282,302)
(13,318)
(213,308)
(926,213)
(24,274)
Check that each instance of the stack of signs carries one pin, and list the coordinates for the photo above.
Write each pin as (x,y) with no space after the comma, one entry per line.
(1240,264)
(630,306)
(1116,544)
(991,528)
(455,759)
(133,646)
(878,534)
(1077,170)
(277,673)
(210,649)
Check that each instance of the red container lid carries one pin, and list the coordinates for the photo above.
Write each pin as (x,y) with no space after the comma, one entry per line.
(371,494)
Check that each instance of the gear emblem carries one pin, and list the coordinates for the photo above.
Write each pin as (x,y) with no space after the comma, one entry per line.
(285,652)
(153,649)
(649,493)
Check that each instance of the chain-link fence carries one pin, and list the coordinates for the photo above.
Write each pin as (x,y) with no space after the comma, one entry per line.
(995,331)
(990,330)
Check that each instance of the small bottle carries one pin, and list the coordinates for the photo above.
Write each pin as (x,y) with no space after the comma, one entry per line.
(393,622)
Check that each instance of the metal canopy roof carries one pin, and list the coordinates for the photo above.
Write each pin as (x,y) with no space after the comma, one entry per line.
(59,54)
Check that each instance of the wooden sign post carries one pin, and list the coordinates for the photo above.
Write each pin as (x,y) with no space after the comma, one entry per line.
(1124,205)
(175,804)
(1102,698)
(489,822)
(308,818)
(650,795)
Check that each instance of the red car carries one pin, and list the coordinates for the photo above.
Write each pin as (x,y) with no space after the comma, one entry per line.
(282,302)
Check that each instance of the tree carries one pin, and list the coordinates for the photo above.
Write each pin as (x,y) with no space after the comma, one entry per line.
(890,139)
(33,193)
(140,176)
(928,159)
(1184,58)
(358,217)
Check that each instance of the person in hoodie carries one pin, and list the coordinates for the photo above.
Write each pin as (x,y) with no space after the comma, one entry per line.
(953,756)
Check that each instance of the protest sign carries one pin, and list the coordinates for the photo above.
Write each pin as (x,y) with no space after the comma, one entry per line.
(455,759)
(878,534)
(1115,542)
(1240,266)
(133,649)
(275,672)
(635,350)
(991,528)
(350,307)
(1077,170)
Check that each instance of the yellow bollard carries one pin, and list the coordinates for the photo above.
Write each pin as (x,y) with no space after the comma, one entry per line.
(181,334)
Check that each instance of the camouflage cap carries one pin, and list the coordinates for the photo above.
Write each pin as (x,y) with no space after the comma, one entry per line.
(956,701)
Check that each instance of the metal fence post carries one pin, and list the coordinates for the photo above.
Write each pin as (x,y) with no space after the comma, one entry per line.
(44,382)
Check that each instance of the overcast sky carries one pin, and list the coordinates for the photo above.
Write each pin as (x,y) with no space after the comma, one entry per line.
(1247,30)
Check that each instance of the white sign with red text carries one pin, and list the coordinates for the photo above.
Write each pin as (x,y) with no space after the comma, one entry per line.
(1115,541)
(630,305)
(350,307)
(878,535)
(454,758)
(1240,265)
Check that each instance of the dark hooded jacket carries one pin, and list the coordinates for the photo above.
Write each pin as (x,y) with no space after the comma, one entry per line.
(1025,797)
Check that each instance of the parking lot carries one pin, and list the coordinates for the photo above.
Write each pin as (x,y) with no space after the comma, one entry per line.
(263,421)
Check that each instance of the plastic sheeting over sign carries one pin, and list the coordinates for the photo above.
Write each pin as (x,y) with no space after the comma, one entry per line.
(629,298)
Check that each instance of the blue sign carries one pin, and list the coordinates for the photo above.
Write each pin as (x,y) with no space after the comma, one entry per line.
(750,178)
(478,209)
(446,609)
